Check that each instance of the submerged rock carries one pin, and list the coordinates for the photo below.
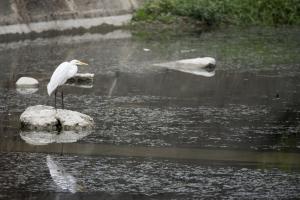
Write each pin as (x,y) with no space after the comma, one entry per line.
(47,118)
(27,82)
(198,66)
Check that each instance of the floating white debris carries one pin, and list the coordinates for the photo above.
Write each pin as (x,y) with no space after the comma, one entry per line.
(187,50)
(197,66)
(145,49)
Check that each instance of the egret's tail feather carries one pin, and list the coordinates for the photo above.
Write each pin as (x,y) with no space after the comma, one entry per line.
(50,89)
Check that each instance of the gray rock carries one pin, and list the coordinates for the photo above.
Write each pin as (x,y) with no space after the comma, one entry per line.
(82,80)
(27,82)
(198,66)
(47,118)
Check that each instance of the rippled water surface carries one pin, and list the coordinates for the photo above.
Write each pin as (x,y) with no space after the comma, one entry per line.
(159,133)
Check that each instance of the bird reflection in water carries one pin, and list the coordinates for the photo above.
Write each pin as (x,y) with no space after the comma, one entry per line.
(62,179)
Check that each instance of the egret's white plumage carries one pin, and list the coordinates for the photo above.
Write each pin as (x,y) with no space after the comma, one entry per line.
(62,73)
(60,76)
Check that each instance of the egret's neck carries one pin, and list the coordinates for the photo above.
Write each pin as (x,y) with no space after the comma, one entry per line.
(73,62)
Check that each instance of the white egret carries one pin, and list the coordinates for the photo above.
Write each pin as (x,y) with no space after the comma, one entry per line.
(60,76)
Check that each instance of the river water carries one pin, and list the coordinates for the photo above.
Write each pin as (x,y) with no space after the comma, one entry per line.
(160,134)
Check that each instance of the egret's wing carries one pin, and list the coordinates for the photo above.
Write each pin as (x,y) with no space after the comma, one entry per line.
(61,74)
(58,77)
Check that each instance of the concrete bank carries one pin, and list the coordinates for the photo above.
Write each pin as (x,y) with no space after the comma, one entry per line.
(26,16)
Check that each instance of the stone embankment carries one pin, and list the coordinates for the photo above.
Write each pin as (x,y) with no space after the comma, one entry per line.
(26,16)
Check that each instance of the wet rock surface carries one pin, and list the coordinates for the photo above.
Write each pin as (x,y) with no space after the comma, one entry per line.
(47,118)
(82,80)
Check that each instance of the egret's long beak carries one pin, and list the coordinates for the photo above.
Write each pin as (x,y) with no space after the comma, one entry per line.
(82,63)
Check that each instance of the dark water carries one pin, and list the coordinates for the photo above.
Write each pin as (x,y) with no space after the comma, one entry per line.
(160,133)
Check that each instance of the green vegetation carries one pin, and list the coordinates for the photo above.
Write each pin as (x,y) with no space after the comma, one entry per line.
(215,12)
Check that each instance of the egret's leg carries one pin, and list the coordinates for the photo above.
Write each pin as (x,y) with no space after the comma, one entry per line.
(62,99)
(55,98)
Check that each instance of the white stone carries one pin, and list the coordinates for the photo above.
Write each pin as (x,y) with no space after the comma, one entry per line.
(198,66)
(27,82)
(47,118)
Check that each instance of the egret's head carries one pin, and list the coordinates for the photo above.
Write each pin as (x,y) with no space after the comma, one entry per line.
(77,62)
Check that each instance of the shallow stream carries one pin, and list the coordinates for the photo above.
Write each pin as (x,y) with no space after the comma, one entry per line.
(160,134)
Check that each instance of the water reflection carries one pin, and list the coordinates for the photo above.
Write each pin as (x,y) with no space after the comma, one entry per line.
(87,37)
(61,178)
(114,83)
(44,138)
(26,91)
(118,177)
